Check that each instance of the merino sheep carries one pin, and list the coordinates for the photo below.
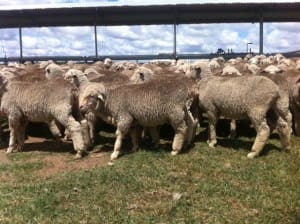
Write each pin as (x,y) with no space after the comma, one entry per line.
(53,70)
(239,98)
(230,70)
(148,104)
(141,74)
(50,100)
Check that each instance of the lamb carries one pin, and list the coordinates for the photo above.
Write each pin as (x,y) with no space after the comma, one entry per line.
(50,100)
(243,97)
(148,104)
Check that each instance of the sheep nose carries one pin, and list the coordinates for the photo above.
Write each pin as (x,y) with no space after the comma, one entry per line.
(82,108)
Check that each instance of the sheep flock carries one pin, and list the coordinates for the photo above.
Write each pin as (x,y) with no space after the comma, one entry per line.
(137,99)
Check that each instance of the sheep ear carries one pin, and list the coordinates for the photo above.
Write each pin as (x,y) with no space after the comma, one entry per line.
(101,97)
(142,77)
(48,70)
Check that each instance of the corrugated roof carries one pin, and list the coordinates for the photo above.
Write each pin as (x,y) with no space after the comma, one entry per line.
(132,3)
(152,14)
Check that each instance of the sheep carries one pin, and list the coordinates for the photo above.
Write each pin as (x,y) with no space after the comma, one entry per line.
(80,80)
(278,58)
(50,100)
(92,73)
(44,64)
(107,63)
(141,74)
(239,98)
(283,101)
(230,70)
(272,69)
(76,77)
(252,69)
(293,78)
(149,104)
(53,70)
(295,104)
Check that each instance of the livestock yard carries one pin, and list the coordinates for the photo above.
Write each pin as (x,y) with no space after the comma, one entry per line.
(122,142)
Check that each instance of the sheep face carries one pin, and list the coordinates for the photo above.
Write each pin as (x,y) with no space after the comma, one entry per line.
(75,77)
(92,98)
(91,103)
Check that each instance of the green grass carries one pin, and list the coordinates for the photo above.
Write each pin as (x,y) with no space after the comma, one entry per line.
(213,186)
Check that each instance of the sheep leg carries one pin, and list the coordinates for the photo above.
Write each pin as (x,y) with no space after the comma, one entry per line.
(297,121)
(232,129)
(20,135)
(67,135)
(180,133)
(91,119)
(192,127)
(14,124)
(263,133)
(289,119)
(134,134)
(154,133)
(122,129)
(54,130)
(284,133)
(85,133)
(212,121)
(74,128)
(284,126)
(12,140)
(117,145)
(77,138)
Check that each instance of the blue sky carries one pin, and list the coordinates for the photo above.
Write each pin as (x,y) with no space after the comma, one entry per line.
(152,39)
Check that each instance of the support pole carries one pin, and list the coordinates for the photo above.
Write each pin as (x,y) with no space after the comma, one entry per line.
(261,35)
(175,42)
(96,42)
(21,45)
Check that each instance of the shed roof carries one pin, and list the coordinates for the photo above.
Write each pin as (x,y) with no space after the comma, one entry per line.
(151,14)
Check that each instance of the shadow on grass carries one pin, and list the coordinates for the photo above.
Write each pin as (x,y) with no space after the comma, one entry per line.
(242,144)
(49,146)
(243,130)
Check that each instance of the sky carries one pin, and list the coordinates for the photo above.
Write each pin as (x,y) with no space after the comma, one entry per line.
(150,39)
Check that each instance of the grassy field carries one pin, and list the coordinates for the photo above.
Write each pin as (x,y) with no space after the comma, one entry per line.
(201,185)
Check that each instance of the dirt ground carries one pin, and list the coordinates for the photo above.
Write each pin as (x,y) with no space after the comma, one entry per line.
(57,157)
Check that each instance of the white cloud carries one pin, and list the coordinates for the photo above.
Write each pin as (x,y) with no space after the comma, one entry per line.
(154,39)
(29,42)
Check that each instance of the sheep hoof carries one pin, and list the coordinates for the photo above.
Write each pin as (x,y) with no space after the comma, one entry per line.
(9,150)
(19,148)
(114,156)
(174,153)
(211,144)
(110,163)
(78,155)
(251,155)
